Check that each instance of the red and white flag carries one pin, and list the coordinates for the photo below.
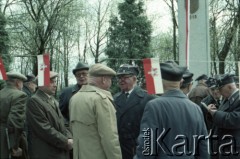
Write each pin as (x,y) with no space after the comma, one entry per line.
(43,70)
(3,75)
(153,76)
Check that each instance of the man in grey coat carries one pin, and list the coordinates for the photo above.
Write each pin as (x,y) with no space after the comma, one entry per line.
(172,126)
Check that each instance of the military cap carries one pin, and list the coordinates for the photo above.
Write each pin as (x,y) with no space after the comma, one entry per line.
(126,69)
(225,79)
(211,82)
(30,78)
(187,77)
(101,70)
(80,66)
(236,79)
(201,77)
(53,74)
(13,74)
(171,71)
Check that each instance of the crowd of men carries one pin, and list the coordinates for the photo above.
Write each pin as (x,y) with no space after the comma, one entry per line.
(88,122)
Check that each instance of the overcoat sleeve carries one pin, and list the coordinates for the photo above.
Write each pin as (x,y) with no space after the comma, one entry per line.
(39,123)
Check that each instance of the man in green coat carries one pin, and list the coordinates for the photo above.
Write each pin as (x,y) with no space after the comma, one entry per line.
(12,116)
(49,137)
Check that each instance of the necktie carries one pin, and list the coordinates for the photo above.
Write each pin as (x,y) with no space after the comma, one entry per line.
(126,94)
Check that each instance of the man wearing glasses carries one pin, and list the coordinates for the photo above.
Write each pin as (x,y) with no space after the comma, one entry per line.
(130,104)
(81,74)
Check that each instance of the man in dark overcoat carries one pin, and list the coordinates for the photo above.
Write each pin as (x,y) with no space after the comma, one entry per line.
(171,123)
(12,117)
(29,86)
(226,119)
(49,137)
(130,104)
(81,73)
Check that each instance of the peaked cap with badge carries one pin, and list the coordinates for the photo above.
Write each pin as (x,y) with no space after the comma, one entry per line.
(187,77)
(30,78)
(201,77)
(211,82)
(225,79)
(126,69)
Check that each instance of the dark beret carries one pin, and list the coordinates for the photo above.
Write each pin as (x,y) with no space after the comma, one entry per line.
(211,82)
(201,77)
(187,77)
(80,66)
(225,79)
(101,70)
(126,69)
(171,71)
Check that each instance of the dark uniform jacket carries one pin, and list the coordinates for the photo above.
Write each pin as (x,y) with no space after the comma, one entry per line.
(227,122)
(163,120)
(12,116)
(64,99)
(49,135)
(129,115)
(27,91)
(198,93)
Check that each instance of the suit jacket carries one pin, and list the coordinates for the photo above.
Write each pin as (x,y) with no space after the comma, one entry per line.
(64,99)
(226,121)
(48,133)
(163,120)
(12,116)
(129,115)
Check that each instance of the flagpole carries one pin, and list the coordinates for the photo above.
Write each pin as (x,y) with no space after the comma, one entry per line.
(187,32)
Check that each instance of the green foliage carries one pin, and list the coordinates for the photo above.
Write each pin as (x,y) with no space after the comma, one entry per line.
(129,38)
(4,40)
(129,35)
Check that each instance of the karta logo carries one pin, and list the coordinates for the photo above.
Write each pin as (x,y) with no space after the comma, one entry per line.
(194,5)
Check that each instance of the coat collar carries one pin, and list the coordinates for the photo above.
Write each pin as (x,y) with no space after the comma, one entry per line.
(90,88)
(75,88)
(174,93)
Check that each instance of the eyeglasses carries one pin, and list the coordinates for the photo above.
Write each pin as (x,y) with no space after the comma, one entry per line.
(84,74)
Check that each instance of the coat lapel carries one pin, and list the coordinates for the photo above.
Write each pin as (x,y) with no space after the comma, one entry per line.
(132,101)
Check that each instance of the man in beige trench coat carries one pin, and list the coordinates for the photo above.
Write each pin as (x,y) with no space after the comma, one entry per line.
(93,118)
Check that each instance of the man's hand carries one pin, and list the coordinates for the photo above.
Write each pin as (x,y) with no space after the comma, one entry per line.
(70,144)
(212,109)
(17,152)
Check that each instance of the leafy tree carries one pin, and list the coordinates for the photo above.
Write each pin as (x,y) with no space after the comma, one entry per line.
(129,35)
(4,53)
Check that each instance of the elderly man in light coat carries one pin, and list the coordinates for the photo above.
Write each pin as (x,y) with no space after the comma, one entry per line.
(93,118)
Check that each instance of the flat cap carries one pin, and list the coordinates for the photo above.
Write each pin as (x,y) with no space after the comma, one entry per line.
(211,82)
(101,70)
(126,69)
(13,74)
(201,77)
(30,78)
(225,79)
(80,66)
(187,77)
(53,74)
(171,71)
